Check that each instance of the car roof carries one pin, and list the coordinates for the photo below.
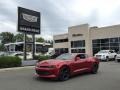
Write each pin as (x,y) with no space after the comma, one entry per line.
(107,50)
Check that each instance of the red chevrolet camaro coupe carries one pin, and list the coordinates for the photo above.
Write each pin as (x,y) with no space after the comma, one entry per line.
(66,65)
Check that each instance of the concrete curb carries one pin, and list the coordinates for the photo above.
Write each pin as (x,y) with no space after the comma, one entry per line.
(16,68)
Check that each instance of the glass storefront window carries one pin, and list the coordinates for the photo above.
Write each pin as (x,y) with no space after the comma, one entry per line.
(96,50)
(104,48)
(61,40)
(114,48)
(105,44)
(96,45)
(61,50)
(114,40)
(80,43)
(114,44)
(104,40)
(77,50)
(96,41)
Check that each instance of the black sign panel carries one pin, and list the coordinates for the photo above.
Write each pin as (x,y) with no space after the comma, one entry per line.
(28,21)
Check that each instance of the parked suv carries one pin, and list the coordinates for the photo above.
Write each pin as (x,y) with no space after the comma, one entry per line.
(106,55)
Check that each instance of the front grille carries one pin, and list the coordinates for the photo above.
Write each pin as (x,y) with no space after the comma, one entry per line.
(43,66)
(42,72)
(98,56)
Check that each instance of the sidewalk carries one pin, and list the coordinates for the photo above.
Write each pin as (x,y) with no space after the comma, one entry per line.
(16,68)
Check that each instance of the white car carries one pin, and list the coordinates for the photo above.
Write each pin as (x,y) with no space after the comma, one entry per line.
(106,55)
(50,52)
(4,53)
(118,56)
(21,55)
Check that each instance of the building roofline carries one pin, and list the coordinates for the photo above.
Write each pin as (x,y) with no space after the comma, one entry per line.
(17,43)
(61,34)
(78,25)
(104,26)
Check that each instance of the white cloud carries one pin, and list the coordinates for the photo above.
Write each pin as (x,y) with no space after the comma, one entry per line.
(7,26)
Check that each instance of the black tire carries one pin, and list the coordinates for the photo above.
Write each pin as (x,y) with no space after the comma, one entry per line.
(64,74)
(118,60)
(114,57)
(107,59)
(95,68)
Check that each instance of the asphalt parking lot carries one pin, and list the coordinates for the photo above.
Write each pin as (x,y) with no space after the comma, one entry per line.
(108,78)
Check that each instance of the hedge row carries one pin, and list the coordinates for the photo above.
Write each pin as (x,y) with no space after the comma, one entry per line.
(40,58)
(9,61)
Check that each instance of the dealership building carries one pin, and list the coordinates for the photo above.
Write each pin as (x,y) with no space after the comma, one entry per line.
(19,46)
(86,39)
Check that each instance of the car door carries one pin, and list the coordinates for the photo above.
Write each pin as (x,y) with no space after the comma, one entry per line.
(112,54)
(84,61)
(80,64)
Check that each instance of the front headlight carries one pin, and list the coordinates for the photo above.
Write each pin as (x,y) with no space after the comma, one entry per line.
(51,66)
(37,64)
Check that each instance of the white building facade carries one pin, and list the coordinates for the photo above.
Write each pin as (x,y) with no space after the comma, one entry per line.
(86,39)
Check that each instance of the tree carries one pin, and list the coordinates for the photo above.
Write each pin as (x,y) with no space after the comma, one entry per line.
(2,47)
(7,37)
(40,39)
(19,37)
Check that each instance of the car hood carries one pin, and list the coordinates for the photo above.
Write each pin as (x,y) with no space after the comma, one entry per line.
(101,54)
(50,62)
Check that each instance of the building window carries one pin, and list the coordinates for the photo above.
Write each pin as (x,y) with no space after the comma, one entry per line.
(77,50)
(96,41)
(76,35)
(41,48)
(106,44)
(80,43)
(113,40)
(61,50)
(104,40)
(96,45)
(61,40)
(95,50)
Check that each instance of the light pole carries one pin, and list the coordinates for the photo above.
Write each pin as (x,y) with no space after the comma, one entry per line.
(1,39)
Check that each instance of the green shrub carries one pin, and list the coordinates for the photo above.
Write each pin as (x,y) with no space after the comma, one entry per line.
(44,57)
(9,61)
(40,58)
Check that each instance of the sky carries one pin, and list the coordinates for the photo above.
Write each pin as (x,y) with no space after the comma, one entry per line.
(58,15)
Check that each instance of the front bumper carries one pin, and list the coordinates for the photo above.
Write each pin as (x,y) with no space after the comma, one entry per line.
(46,72)
(117,57)
(101,58)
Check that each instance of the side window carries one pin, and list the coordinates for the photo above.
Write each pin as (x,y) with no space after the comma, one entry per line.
(82,56)
(111,52)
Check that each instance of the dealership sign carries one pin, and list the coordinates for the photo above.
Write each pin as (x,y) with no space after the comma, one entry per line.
(28,21)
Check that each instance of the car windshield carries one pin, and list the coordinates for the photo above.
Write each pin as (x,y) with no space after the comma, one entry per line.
(65,56)
(103,51)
